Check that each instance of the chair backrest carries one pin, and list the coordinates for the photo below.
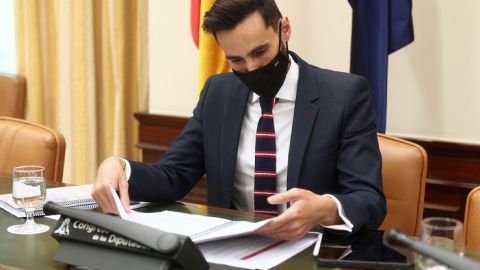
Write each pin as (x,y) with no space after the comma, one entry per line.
(404,171)
(472,220)
(12,95)
(26,143)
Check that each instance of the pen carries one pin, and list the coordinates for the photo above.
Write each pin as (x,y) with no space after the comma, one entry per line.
(316,249)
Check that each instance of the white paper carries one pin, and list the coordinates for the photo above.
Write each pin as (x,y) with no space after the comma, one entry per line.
(199,228)
(253,251)
(60,194)
(245,251)
(56,195)
(72,193)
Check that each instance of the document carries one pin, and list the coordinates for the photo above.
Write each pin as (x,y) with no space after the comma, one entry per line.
(254,251)
(75,196)
(223,241)
(199,228)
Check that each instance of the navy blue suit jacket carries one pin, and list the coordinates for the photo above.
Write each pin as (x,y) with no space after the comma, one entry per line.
(333,148)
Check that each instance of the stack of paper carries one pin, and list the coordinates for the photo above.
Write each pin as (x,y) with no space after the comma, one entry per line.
(223,241)
(75,196)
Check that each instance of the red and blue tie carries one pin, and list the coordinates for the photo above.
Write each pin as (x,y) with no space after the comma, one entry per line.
(265,160)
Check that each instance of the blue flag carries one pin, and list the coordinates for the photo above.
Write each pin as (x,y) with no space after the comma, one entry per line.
(379,27)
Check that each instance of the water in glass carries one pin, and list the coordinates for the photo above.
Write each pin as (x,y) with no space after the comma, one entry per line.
(28,192)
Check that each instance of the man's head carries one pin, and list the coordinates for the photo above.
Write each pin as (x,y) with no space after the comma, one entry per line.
(254,45)
(226,14)
(247,31)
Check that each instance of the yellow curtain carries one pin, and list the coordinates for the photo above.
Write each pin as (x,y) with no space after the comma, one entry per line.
(85,62)
(211,57)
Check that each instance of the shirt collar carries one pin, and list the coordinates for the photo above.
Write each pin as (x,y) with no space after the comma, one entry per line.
(288,91)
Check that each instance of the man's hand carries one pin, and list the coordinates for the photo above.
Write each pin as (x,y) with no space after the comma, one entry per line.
(111,173)
(306,210)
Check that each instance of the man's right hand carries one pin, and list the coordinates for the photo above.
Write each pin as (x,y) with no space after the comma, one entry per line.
(111,173)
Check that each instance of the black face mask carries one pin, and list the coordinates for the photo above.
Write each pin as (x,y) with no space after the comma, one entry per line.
(266,81)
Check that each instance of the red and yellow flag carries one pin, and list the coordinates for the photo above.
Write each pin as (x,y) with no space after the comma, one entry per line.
(211,57)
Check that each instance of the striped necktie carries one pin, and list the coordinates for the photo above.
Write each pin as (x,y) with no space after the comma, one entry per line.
(265,160)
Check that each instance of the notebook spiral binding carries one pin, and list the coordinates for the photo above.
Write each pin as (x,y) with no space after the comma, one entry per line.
(83,204)
(214,229)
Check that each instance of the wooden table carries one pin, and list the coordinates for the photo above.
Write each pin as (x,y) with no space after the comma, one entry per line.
(36,251)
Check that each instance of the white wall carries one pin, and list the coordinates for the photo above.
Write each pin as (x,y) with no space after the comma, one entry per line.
(173,58)
(433,84)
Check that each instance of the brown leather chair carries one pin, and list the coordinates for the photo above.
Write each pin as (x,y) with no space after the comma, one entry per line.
(26,143)
(12,95)
(404,171)
(472,220)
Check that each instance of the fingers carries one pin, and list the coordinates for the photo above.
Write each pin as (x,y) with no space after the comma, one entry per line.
(104,198)
(285,235)
(286,226)
(283,228)
(110,173)
(124,197)
(291,195)
(303,214)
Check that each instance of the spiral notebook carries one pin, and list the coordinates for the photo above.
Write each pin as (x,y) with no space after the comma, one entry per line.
(78,197)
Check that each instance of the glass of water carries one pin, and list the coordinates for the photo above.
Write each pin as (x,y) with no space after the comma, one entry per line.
(29,192)
(441,232)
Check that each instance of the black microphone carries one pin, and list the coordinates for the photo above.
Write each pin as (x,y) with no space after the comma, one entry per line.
(179,248)
(166,243)
(450,259)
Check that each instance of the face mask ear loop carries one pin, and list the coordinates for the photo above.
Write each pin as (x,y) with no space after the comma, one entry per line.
(280,38)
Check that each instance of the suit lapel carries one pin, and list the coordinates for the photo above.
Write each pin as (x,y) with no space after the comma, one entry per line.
(230,137)
(303,120)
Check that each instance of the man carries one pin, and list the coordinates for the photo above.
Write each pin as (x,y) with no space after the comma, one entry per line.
(328,164)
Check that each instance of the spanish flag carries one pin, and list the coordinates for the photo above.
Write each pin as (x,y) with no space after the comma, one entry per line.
(211,57)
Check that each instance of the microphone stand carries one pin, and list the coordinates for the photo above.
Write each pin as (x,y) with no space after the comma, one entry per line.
(450,259)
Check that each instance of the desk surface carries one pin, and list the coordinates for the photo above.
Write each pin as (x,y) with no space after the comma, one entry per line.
(36,251)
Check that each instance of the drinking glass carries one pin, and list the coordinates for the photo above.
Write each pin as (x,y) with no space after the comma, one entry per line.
(28,192)
(442,232)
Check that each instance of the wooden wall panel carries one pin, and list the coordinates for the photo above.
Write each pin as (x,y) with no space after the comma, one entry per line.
(156,132)
(453,170)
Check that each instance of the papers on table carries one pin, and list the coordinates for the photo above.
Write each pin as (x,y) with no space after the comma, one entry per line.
(223,241)
(75,196)
(253,251)
(199,228)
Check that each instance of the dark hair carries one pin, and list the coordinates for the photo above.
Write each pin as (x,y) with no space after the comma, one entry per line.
(226,14)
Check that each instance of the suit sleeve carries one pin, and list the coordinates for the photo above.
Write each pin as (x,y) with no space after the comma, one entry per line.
(179,169)
(359,162)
